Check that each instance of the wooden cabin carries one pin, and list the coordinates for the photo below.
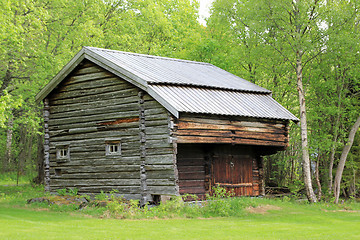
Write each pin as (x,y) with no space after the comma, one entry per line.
(151,126)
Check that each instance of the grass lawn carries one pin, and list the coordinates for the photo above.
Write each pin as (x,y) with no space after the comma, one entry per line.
(290,222)
(282,220)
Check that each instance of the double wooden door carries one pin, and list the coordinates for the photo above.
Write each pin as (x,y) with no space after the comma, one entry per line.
(233,172)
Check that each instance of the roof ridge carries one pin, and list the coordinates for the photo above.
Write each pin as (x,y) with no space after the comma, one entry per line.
(150,56)
(171,84)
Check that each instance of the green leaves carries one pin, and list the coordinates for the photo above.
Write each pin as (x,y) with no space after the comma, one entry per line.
(7,104)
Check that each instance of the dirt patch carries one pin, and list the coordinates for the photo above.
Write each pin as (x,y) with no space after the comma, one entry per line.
(59,200)
(341,210)
(262,209)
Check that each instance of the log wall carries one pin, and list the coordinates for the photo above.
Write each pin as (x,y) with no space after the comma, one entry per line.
(217,129)
(93,106)
(160,160)
(193,172)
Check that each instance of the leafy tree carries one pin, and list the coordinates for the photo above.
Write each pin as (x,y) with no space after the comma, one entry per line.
(287,45)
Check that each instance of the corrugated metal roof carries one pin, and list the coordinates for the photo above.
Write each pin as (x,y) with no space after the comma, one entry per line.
(223,102)
(154,69)
(181,85)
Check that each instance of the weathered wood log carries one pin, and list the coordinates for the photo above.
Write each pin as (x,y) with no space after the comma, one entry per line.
(196,139)
(98,175)
(96,111)
(192,176)
(229,125)
(231,134)
(158,151)
(88,77)
(46,145)
(158,167)
(166,190)
(191,183)
(209,118)
(96,182)
(90,69)
(87,92)
(159,159)
(160,182)
(193,190)
(89,105)
(85,99)
(169,174)
(66,127)
(101,168)
(99,118)
(95,160)
(113,81)
(130,133)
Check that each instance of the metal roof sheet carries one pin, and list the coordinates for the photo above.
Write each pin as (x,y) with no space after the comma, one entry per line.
(181,85)
(154,69)
(222,102)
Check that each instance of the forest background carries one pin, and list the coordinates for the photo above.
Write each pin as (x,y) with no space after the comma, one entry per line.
(272,43)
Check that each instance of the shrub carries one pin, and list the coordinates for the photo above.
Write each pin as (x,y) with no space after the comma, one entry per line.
(219,202)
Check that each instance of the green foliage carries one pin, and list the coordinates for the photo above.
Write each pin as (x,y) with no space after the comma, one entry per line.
(67,191)
(263,39)
(10,178)
(39,37)
(244,37)
(219,202)
(102,196)
(62,191)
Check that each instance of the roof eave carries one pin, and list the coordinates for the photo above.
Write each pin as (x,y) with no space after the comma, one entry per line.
(163,102)
(86,53)
(115,69)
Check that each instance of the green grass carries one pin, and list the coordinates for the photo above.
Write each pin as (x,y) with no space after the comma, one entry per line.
(11,178)
(290,220)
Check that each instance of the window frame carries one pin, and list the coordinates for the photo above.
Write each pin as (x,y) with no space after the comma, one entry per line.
(62,153)
(111,145)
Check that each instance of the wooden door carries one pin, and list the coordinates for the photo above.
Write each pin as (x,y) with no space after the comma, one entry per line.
(234,172)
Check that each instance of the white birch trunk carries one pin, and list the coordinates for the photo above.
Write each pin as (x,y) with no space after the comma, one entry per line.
(303,130)
(341,165)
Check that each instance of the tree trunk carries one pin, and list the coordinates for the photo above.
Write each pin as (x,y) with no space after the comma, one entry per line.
(39,179)
(343,157)
(303,129)
(6,81)
(8,150)
(333,148)
(331,164)
(317,177)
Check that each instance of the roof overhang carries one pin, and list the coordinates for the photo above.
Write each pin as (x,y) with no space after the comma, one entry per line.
(165,98)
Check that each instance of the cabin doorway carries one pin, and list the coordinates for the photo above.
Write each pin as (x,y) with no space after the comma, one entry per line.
(233,172)
(202,166)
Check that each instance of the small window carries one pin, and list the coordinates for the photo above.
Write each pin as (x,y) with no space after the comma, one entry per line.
(113,148)
(62,153)
(57,172)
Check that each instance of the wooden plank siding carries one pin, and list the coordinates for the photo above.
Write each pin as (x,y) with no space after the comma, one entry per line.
(235,168)
(220,129)
(92,105)
(191,160)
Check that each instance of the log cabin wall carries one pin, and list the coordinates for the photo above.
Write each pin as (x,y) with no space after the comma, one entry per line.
(235,130)
(92,108)
(193,169)
(160,156)
(233,148)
